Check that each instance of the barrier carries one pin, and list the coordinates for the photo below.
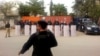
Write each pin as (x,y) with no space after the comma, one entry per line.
(17,30)
(66,31)
(61,30)
(33,29)
(50,27)
(73,30)
(27,30)
(57,30)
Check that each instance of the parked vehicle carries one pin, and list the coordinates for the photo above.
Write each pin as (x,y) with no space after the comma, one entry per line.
(81,23)
(91,28)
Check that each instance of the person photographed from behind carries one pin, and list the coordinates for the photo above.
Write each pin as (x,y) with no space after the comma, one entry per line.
(42,41)
(56,22)
(49,22)
(30,24)
(61,27)
(7,26)
(22,25)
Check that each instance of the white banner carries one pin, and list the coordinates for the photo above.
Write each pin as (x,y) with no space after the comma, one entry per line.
(33,29)
(50,27)
(57,30)
(17,30)
(73,30)
(27,30)
(66,31)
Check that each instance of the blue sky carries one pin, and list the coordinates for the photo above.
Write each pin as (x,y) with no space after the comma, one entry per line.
(67,3)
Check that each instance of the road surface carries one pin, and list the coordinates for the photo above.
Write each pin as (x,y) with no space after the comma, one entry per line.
(80,45)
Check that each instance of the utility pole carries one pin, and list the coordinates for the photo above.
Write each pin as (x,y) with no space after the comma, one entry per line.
(51,8)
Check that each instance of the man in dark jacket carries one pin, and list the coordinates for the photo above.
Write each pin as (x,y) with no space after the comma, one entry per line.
(49,22)
(22,24)
(56,22)
(7,26)
(42,41)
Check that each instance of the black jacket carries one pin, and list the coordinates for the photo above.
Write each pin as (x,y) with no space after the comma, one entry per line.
(7,25)
(49,23)
(42,43)
(56,23)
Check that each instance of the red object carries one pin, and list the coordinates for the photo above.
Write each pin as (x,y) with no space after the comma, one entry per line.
(67,19)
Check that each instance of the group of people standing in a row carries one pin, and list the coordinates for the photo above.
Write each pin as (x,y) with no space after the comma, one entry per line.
(56,22)
(23,23)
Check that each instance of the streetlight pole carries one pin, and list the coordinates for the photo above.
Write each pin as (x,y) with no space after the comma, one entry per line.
(51,8)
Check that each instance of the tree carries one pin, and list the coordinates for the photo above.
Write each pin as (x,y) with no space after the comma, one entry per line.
(24,10)
(5,8)
(79,9)
(59,10)
(33,7)
(37,7)
(72,14)
(87,7)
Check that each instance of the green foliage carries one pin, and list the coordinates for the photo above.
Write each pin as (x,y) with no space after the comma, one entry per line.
(33,7)
(89,6)
(37,7)
(59,10)
(24,10)
(5,8)
(72,14)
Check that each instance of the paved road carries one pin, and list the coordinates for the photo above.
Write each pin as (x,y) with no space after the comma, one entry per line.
(81,45)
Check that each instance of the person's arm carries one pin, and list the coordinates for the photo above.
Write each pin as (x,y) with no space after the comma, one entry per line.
(53,41)
(27,45)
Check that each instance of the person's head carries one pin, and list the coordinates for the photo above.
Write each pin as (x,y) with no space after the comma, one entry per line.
(41,25)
